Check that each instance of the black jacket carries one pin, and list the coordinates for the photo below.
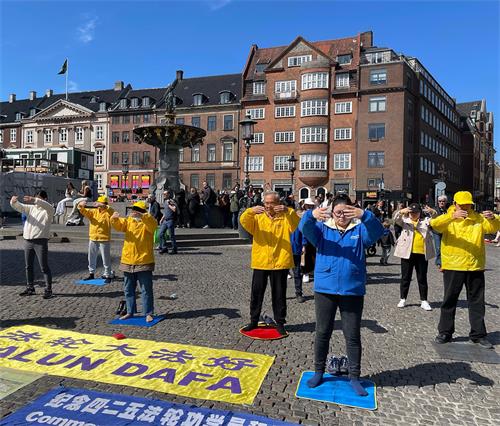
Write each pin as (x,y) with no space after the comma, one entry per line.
(155,210)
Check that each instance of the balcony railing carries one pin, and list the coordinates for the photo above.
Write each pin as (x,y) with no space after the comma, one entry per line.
(36,165)
(282,96)
(382,57)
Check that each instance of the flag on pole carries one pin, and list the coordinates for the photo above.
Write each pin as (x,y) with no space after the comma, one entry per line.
(64,68)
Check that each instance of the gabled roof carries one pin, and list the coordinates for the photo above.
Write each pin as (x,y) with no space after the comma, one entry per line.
(59,105)
(465,108)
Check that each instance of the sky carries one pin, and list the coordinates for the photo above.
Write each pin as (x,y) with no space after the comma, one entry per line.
(143,43)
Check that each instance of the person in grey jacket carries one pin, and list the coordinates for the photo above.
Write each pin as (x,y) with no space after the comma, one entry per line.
(415,247)
(36,232)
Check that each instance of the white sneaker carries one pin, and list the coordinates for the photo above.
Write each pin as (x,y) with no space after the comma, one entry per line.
(402,303)
(305,278)
(425,305)
(288,277)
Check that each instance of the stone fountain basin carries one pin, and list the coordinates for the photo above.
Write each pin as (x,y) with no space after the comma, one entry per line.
(179,135)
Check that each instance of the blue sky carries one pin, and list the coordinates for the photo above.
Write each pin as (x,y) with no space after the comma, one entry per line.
(143,43)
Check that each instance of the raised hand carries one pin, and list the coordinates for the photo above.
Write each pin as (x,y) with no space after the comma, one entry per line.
(258,209)
(280,208)
(321,214)
(28,198)
(459,214)
(351,212)
(82,203)
(115,215)
(13,199)
(488,214)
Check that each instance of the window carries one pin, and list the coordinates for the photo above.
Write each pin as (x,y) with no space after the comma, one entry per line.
(136,118)
(79,134)
(136,158)
(210,178)
(314,107)
(126,119)
(63,135)
(227,151)
(181,155)
(115,158)
(195,154)
(374,182)
(344,59)
(32,112)
(115,119)
(377,104)
(47,136)
(102,106)
(123,103)
(342,161)
(259,88)
(342,80)
(378,76)
(260,67)
(146,158)
(125,137)
(225,98)
(313,134)
(196,122)
(281,163)
(98,178)
(115,137)
(297,61)
(288,136)
(198,100)
(255,113)
(211,152)
(145,101)
(29,136)
(258,137)
(343,133)
(99,133)
(99,157)
(228,122)
(376,158)
(376,131)
(145,118)
(13,135)
(343,107)
(134,103)
(124,157)
(255,164)
(19,115)
(313,162)
(315,80)
(284,111)
(212,122)
(285,88)
(195,181)
(179,120)
(304,193)
(227,181)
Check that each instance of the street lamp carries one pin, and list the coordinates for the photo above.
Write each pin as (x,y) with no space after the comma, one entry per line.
(292,161)
(125,170)
(247,131)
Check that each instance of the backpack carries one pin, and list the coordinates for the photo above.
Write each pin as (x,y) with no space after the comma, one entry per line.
(212,198)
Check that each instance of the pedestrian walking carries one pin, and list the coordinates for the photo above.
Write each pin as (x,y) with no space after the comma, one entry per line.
(271,226)
(340,237)
(415,247)
(234,207)
(441,208)
(154,208)
(167,223)
(137,260)
(463,258)
(36,233)
(99,236)
(386,241)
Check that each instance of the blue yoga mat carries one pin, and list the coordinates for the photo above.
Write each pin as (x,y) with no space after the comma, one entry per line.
(139,321)
(96,281)
(337,390)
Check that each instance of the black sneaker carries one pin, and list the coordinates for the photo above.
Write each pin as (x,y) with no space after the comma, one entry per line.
(163,251)
(344,365)
(484,342)
(29,291)
(442,338)
(250,327)
(48,294)
(300,298)
(280,328)
(333,365)
(90,277)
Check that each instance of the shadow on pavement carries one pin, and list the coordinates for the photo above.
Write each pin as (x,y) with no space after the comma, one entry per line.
(371,325)
(493,337)
(111,294)
(209,313)
(429,374)
(59,322)
(461,304)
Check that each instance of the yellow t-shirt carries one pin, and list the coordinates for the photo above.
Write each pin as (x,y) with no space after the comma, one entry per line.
(418,240)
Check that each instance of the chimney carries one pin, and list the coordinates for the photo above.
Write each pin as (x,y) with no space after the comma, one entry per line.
(32,95)
(179,75)
(118,85)
(12,98)
(49,93)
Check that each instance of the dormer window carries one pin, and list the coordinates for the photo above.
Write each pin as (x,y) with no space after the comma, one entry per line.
(260,67)
(344,59)
(226,97)
(102,106)
(134,103)
(145,101)
(93,99)
(32,112)
(123,103)
(198,99)
(177,100)
(19,115)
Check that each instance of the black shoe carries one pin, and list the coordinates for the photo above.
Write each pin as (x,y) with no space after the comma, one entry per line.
(81,224)
(344,365)
(90,277)
(333,365)
(250,327)
(30,291)
(48,294)
(484,342)
(300,298)
(107,280)
(173,252)
(70,224)
(442,338)
(163,251)
(280,328)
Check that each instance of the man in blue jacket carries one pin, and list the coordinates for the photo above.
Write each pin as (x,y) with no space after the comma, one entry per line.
(340,238)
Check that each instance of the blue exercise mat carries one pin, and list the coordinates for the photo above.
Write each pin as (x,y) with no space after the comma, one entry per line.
(337,390)
(96,281)
(139,321)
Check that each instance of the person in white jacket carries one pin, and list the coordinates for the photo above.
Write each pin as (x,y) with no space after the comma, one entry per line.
(39,214)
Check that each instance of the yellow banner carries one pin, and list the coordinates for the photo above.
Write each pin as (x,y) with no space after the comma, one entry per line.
(192,371)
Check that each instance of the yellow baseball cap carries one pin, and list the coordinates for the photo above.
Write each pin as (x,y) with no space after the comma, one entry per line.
(463,197)
(102,199)
(140,206)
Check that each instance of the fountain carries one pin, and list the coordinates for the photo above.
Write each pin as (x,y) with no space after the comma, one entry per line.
(169,138)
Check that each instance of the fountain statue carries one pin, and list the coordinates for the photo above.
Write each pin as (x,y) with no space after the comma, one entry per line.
(169,138)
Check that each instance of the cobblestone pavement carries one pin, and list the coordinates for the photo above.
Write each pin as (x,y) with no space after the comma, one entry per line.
(415,386)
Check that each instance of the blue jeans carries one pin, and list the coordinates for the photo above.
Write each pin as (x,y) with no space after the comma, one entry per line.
(206,213)
(297,274)
(234,217)
(170,225)
(145,279)
(437,244)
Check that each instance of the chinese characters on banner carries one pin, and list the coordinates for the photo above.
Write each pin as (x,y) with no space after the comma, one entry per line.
(193,371)
(85,408)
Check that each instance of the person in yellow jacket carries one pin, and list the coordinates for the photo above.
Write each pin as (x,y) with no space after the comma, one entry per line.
(137,261)
(463,261)
(272,257)
(99,236)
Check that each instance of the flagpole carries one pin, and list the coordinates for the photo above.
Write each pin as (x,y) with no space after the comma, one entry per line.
(67,72)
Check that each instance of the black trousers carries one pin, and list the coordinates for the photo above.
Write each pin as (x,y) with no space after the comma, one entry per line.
(297,274)
(474,285)
(40,248)
(351,310)
(278,293)
(418,262)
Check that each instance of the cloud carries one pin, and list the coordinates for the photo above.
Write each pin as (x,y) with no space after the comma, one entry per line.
(73,86)
(86,31)
(218,4)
